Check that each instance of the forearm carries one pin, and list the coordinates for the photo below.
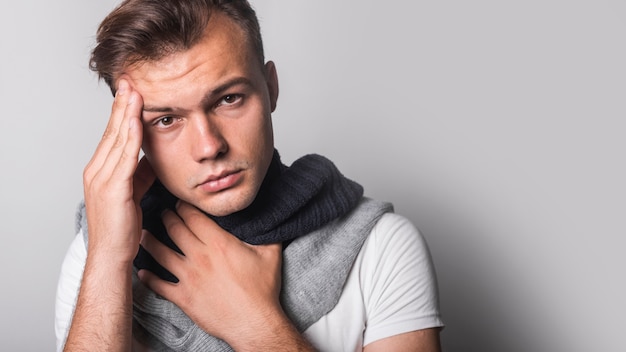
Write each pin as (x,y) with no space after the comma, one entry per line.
(114,183)
(277,333)
(103,316)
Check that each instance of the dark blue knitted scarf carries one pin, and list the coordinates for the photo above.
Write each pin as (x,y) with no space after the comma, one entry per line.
(292,201)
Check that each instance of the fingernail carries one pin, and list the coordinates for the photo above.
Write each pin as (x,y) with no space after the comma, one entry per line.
(177,204)
(133,124)
(132,99)
(122,87)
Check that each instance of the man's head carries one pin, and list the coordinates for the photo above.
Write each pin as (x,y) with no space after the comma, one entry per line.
(148,30)
(207,97)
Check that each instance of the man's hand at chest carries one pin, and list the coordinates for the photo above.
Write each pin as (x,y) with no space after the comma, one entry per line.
(227,287)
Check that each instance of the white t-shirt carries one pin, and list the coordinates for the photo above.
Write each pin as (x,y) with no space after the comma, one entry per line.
(391,289)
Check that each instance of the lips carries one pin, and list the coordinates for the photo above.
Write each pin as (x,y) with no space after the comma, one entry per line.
(222,181)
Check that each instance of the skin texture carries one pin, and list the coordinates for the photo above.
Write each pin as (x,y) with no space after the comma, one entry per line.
(203,119)
(113,184)
(426,340)
(207,113)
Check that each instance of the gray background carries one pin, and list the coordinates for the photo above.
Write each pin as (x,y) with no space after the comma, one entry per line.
(496,126)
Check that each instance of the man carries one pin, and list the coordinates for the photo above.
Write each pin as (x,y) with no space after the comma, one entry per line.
(209,242)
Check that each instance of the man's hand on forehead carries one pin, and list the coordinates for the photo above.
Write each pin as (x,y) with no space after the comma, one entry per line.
(114,183)
(114,180)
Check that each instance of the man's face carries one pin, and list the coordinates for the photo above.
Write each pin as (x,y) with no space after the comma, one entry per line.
(206,117)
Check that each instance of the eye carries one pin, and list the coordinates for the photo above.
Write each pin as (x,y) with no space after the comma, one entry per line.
(165,121)
(230,99)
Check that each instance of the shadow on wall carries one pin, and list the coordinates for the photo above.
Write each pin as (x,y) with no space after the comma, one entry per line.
(479,306)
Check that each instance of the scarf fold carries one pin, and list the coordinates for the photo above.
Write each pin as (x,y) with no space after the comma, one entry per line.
(321,217)
(291,202)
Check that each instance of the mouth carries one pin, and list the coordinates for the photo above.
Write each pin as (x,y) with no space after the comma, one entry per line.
(222,181)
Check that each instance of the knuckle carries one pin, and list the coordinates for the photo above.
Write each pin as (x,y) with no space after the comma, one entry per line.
(124,156)
(109,132)
(118,103)
(119,141)
(89,174)
(195,218)
(173,226)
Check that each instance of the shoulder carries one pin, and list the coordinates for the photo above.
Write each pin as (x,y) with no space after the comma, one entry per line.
(397,280)
(394,245)
(395,234)
(394,224)
(394,255)
(391,289)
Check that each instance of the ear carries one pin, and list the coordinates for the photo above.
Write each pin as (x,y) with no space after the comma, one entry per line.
(271,79)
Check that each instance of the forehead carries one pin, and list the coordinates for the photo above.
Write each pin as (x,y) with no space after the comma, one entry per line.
(223,50)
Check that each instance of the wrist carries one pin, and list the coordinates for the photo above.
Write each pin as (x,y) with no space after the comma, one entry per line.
(111,256)
(275,333)
(105,264)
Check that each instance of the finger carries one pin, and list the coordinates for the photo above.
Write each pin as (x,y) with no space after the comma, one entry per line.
(124,154)
(165,256)
(178,231)
(161,287)
(120,159)
(110,133)
(200,224)
(117,113)
(144,178)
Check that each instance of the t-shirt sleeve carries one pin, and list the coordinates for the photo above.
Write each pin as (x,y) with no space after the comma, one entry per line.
(67,288)
(398,281)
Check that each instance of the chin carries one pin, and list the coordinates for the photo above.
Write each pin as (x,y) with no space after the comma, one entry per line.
(226,203)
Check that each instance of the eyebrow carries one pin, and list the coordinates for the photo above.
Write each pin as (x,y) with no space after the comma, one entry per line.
(208,97)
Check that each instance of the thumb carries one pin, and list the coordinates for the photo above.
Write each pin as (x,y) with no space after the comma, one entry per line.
(203,227)
(194,218)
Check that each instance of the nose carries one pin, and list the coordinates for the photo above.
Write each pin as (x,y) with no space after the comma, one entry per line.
(207,140)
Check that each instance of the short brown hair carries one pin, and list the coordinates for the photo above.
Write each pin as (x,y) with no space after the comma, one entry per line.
(148,30)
